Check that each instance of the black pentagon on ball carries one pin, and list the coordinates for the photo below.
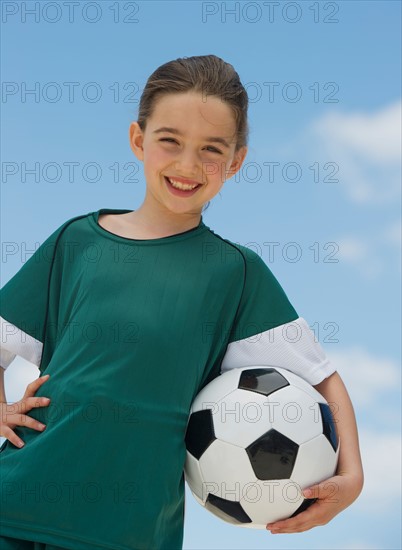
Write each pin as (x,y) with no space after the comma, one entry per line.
(228,510)
(200,432)
(265,381)
(273,456)
(328,425)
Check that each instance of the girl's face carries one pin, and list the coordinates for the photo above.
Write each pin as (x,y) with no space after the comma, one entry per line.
(190,139)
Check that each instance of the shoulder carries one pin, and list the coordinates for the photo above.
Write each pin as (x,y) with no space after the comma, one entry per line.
(247,256)
(75,222)
(243,252)
(246,262)
(72,227)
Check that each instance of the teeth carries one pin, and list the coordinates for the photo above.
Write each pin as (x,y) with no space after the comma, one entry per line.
(180,185)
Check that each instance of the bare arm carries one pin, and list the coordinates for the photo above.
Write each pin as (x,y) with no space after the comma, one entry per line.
(350,462)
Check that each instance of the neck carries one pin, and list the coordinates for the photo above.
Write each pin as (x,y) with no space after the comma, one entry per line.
(164,222)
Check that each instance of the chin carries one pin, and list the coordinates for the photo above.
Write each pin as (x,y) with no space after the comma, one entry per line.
(182,209)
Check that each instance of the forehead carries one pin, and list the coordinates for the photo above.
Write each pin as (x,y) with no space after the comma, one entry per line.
(192,111)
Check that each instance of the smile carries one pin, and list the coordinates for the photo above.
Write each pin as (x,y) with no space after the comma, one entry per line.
(181,189)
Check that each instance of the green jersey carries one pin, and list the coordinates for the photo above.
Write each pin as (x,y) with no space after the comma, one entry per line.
(130,331)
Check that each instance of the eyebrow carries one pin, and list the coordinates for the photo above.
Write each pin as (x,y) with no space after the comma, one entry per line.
(213,139)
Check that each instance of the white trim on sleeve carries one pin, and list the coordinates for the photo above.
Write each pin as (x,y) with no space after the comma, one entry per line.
(290,346)
(15,341)
(6,358)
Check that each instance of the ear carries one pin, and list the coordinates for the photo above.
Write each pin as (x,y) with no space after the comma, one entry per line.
(136,138)
(238,160)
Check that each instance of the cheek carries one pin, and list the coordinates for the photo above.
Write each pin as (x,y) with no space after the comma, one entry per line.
(217,170)
(225,167)
(154,159)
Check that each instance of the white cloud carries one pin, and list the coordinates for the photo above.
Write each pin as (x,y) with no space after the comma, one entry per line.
(381,457)
(376,135)
(366,377)
(370,382)
(372,255)
(353,249)
(367,148)
(361,254)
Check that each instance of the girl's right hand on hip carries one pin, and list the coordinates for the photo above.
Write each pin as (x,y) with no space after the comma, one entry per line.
(14,415)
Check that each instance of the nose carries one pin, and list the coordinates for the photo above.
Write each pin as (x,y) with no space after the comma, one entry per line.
(187,163)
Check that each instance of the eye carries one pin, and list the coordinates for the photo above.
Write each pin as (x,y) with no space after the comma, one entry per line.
(215,150)
(212,149)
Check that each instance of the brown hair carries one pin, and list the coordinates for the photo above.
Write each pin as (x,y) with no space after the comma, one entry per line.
(206,74)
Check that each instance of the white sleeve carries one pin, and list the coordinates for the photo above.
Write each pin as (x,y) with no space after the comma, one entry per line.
(15,341)
(291,346)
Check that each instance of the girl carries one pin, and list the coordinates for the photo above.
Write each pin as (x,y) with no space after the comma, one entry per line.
(129,314)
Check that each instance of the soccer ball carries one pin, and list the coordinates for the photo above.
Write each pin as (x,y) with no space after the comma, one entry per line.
(256,437)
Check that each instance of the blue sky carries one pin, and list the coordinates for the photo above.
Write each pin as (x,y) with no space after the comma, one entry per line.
(334,114)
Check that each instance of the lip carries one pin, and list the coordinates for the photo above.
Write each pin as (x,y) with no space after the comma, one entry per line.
(180,192)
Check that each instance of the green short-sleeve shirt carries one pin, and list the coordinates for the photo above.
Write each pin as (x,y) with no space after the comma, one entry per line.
(130,331)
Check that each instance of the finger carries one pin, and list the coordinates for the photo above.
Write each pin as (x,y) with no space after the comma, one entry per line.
(33,387)
(17,419)
(295,527)
(300,529)
(25,405)
(29,422)
(319,513)
(307,516)
(12,437)
(302,526)
(325,490)
(32,402)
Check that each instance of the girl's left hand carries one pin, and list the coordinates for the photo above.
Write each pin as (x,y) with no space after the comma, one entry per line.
(333,494)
